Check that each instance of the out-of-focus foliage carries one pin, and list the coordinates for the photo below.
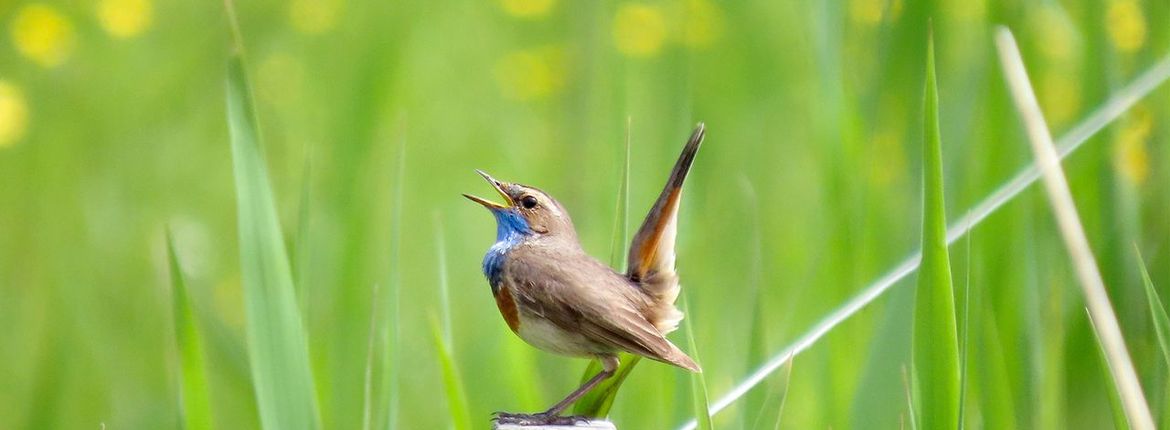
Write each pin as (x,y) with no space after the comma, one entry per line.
(112,128)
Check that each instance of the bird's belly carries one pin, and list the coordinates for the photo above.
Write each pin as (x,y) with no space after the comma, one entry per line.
(547,336)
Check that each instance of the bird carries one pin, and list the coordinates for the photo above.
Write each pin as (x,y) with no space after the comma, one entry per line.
(558,298)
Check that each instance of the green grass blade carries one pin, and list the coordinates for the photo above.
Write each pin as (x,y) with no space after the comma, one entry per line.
(302,247)
(194,400)
(598,402)
(993,383)
(1161,324)
(1072,232)
(756,406)
(910,415)
(371,347)
(1118,103)
(621,219)
(783,383)
(444,283)
(452,384)
(1120,421)
(521,358)
(277,345)
(964,340)
(699,399)
(444,342)
(392,345)
(1157,312)
(936,354)
(756,402)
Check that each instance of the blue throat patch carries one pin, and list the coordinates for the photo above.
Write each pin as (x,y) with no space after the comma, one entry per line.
(511,229)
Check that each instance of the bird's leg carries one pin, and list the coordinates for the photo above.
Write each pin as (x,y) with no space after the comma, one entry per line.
(609,367)
(552,415)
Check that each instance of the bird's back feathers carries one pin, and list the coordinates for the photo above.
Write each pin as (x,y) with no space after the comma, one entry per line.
(580,295)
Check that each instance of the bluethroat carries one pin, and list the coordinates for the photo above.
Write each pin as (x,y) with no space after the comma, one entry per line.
(560,299)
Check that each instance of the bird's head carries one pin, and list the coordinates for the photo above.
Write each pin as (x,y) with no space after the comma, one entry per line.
(526,211)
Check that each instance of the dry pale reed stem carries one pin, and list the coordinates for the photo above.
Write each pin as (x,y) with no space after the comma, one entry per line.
(1065,211)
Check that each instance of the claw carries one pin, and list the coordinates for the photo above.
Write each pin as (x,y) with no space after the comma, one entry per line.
(538,419)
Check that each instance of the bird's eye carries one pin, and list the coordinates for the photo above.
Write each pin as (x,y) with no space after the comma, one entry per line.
(528,202)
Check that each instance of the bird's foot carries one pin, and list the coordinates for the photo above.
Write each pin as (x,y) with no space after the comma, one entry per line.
(539,419)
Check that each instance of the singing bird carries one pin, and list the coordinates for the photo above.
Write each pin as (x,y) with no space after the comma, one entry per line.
(559,299)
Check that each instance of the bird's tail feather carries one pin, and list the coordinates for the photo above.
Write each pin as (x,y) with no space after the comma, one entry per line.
(681,359)
(651,260)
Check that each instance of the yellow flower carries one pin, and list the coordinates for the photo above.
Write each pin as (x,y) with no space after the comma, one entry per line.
(1056,33)
(314,16)
(704,23)
(871,12)
(886,146)
(895,11)
(866,11)
(42,35)
(531,74)
(1130,155)
(965,10)
(527,8)
(1060,96)
(889,157)
(639,30)
(125,18)
(1126,24)
(13,114)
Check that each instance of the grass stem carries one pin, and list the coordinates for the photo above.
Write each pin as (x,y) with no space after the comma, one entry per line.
(1120,102)
(1065,211)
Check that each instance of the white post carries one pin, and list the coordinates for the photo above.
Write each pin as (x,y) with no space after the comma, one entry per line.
(581,425)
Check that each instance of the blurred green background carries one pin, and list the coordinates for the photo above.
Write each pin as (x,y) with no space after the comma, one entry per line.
(374,115)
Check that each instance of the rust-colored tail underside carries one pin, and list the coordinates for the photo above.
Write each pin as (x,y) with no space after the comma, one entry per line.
(652,256)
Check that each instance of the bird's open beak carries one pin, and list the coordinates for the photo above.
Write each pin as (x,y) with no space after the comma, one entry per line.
(499,186)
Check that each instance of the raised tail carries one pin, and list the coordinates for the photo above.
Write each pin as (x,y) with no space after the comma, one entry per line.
(651,260)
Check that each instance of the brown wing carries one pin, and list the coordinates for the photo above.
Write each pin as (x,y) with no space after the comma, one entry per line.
(584,296)
(651,260)
(626,329)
